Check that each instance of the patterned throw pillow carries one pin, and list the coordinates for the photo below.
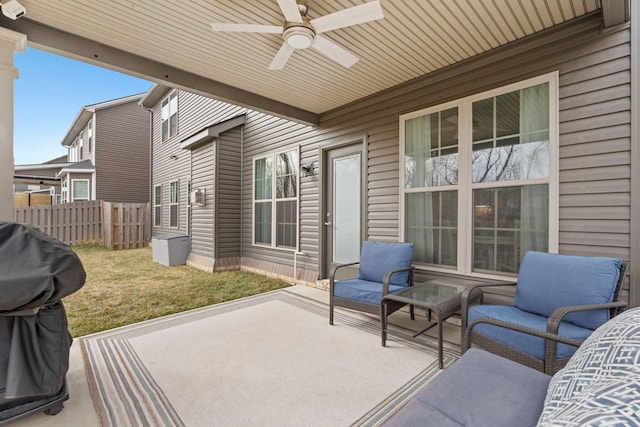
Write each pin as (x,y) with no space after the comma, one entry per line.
(600,386)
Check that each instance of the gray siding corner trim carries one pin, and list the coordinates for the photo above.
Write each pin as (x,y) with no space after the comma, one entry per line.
(634,297)
(615,12)
(213,131)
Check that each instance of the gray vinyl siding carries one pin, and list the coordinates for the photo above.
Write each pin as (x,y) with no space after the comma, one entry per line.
(228,194)
(195,112)
(121,145)
(264,135)
(594,115)
(203,160)
(594,152)
(594,138)
(166,169)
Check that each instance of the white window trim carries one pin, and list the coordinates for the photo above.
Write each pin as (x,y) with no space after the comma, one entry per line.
(155,222)
(465,251)
(168,100)
(274,201)
(177,204)
(64,190)
(73,183)
(90,140)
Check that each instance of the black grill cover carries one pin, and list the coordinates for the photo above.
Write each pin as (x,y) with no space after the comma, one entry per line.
(34,268)
(36,271)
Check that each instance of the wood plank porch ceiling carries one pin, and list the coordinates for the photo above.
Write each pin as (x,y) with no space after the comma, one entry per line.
(414,39)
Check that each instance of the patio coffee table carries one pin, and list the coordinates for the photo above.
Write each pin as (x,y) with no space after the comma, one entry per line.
(440,296)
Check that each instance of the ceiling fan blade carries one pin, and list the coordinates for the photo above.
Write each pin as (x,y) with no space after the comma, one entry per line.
(281,57)
(290,10)
(347,17)
(334,51)
(247,28)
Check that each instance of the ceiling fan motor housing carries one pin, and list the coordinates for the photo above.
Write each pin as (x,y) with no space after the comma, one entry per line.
(299,35)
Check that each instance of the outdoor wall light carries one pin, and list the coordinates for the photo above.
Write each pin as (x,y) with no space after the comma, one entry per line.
(307,169)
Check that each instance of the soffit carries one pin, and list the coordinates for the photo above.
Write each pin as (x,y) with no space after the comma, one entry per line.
(414,39)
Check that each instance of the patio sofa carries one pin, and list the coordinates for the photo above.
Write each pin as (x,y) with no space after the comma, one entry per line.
(600,385)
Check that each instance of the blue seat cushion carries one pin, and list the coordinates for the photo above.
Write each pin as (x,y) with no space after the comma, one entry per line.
(362,290)
(548,281)
(525,343)
(377,258)
(480,389)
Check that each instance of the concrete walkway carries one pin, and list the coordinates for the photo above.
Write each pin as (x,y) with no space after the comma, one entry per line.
(79,410)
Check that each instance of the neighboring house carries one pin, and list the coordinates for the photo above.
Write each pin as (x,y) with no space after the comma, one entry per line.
(524,147)
(108,153)
(201,152)
(37,184)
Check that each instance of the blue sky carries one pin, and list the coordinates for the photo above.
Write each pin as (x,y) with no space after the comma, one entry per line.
(49,94)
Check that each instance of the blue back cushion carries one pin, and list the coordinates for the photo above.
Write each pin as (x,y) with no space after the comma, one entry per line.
(379,257)
(548,281)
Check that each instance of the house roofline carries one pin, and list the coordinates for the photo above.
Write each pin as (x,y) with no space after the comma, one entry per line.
(86,113)
(151,98)
(212,131)
(41,166)
(71,170)
(41,180)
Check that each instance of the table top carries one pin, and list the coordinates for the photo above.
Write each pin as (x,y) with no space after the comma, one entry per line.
(433,292)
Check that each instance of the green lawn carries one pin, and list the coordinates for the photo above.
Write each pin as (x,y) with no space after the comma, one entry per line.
(125,287)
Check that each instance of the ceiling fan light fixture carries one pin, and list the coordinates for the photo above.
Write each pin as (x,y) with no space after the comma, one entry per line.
(299,37)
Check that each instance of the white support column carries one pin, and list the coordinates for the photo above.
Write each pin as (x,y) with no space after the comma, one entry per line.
(11,42)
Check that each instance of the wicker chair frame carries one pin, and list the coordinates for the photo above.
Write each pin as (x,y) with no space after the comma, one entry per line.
(335,301)
(551,364)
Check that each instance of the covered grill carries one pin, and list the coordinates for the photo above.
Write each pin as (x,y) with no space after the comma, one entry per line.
(36,272)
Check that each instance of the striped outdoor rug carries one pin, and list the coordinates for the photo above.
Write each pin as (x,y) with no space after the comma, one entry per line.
(271,359)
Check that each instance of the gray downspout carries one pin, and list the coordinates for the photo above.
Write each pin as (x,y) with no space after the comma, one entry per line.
(151,192)
(242,177)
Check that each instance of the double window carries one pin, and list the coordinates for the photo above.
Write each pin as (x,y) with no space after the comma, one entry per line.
(478,187)
(275,201)
(170,116)
(173,203)
(157,206)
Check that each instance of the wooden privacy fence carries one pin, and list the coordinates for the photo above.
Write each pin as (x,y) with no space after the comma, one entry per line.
(116,225)
(71,223)
(126,225)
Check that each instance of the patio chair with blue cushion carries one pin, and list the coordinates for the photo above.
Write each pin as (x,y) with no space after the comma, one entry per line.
(559,301)
(383,268)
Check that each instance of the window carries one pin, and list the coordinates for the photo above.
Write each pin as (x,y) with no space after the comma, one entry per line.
(64,191)
(276,200)
(173,204)
(478,183)
(170,116)
(90,136)
(157,205)
(73,151)
(80,189)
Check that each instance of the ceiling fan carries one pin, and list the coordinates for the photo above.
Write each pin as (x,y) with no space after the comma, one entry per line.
(300,32)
